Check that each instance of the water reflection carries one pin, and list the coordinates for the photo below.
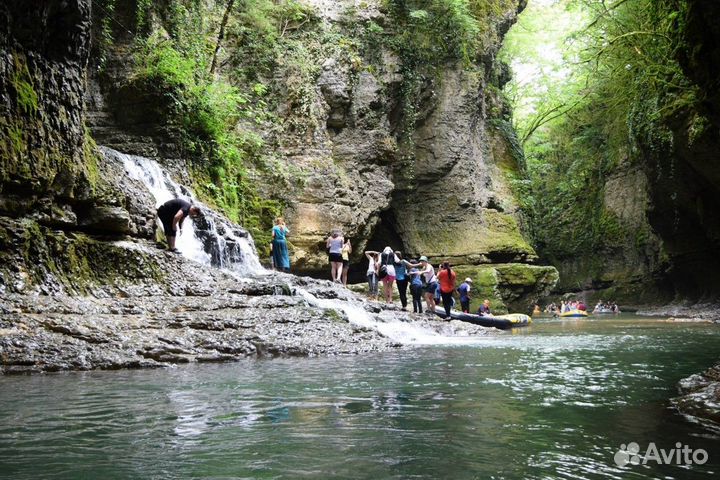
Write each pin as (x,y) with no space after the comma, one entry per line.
(554,404)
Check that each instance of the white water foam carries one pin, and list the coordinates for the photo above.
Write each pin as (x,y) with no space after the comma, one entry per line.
(218,244)
(399,331)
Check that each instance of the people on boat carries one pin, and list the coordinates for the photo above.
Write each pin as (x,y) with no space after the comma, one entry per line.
(581,306)
(446,279)
(334,244)
(464,292)
(345,253)
(172,214)
(278,246)
(416,290)
(484,309)
(401,279)
(606,307)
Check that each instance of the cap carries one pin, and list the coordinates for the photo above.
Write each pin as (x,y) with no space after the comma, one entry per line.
(468,280)
(423,258)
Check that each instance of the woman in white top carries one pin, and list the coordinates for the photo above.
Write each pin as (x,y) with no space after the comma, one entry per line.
(373,262)
(334,243)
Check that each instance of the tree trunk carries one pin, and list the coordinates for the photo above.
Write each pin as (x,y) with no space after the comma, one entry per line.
(221,35)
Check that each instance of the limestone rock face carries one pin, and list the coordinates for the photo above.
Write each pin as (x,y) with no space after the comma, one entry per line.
(443,191)
(438,187)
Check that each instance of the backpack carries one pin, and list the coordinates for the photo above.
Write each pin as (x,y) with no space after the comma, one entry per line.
(382,273)
(385,260)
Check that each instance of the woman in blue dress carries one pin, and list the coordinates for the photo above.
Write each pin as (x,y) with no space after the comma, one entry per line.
(280,256)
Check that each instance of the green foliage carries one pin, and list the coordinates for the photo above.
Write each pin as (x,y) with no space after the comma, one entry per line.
(142,11)
(610,98)
(208,112)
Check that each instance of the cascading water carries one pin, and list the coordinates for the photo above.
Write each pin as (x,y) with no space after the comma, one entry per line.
(399,331)
(211,240)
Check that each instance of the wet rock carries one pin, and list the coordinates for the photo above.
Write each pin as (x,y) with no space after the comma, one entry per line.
(700,396)
(107,219)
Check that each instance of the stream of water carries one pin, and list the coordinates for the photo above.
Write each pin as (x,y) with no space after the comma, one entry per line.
(556,400)
(560,399)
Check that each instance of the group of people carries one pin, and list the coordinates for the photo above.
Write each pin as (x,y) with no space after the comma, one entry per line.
(565,307)
(389,267)
(606,307)
(601,307)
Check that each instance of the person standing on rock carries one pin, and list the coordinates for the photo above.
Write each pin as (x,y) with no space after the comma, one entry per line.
(346,251)
(372,273)
(446,278)
(280,256)
(401,278)
(464,291)
(416,290)
(387,262)
(172,215)
(334,244)
(431,284)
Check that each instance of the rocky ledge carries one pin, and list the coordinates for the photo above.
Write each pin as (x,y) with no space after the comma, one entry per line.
(198,314)
(700,396)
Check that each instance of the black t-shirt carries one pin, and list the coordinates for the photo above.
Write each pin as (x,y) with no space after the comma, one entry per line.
(172,206)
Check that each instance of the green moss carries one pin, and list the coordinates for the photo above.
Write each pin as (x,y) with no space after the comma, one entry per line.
(21,81)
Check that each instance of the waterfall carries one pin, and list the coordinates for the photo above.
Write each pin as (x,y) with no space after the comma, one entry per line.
(210,239)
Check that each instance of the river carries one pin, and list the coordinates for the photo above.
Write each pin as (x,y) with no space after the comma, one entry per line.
(556,400)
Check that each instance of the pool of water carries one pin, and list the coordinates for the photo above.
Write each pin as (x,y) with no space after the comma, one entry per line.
(556,400)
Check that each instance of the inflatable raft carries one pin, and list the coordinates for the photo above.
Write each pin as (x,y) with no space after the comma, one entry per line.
(503,322)
(605,311)
(574,314)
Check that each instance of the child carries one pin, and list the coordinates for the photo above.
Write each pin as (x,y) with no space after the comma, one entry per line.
(416,289)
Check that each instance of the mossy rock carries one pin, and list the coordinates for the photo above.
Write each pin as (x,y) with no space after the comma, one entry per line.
(509,287)
(55,260)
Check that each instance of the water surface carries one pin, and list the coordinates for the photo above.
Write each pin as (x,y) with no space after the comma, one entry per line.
(556,400)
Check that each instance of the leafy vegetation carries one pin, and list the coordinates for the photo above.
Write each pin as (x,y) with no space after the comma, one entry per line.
(601,105)
(219,117)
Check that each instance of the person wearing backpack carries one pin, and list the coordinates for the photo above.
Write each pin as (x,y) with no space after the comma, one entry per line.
(402,279)
(416,289)
(387,272)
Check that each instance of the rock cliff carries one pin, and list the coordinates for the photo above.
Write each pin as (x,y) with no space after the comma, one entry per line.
(426,173)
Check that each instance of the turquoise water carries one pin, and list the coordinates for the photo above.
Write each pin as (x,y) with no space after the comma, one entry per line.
(556,400)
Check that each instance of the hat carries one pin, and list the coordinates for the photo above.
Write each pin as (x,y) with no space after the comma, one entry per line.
(423,258)
(413,271)
(469,280)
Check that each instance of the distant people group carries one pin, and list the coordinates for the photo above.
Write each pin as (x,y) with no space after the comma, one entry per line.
(564,307)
